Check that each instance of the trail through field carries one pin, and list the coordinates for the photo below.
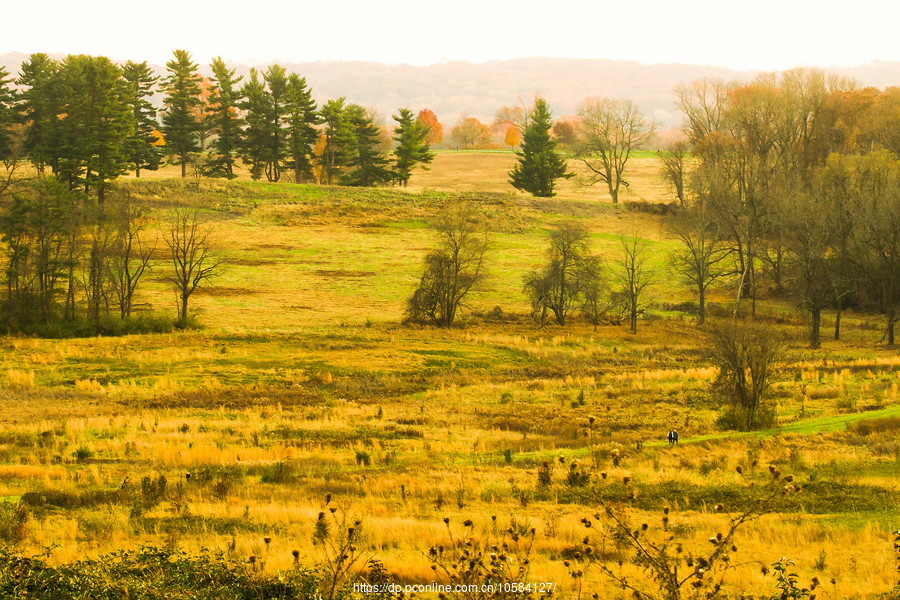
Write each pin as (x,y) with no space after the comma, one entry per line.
(808,426)
(804,427)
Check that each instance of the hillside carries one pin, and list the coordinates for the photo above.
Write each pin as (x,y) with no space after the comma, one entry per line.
(228,461)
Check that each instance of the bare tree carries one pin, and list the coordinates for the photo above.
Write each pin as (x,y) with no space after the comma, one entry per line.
(634,274)
(556,288)
(877,254)
(804,229)
(452,270)
(700,258)
(608,132)
(592,286)
(674,168)
(193,265)
(130,253)
(745,355)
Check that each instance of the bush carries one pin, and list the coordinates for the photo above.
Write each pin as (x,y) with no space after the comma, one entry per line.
(870,426)
(151,574)
(14,520)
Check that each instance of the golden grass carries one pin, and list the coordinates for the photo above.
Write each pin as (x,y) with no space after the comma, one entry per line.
(303,363)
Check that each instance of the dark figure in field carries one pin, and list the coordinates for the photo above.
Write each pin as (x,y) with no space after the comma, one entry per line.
(671,436)
(674,437)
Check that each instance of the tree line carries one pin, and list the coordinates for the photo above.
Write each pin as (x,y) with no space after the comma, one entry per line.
(75,257)
(88,120)
(794,181)
(572,279)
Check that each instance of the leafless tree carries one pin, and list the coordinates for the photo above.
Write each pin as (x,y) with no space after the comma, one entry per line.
(702,256)
(556,288)
(130,253)
(674,168)
(745,355)
(608,132)
(188,244)
(634,274)
(452,270)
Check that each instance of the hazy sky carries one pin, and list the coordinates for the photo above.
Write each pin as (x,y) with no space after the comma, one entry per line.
(757,34)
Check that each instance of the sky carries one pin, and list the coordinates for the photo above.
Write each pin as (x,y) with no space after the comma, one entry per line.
(744,35)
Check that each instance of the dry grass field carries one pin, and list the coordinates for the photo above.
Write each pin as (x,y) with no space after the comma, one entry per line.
(303,382)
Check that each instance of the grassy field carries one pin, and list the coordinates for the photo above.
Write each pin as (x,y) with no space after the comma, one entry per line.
(304,382)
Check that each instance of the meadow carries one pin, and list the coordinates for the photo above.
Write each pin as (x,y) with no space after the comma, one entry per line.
(303,390)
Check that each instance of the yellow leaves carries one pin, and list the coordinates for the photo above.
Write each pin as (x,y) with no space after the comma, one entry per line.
(159,139)
(513,136)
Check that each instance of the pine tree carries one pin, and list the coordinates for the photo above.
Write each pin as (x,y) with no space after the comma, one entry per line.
(182,87)
(368,165)
(300,111)
(412,147)
(257,111)
(94,124)
(142,146)
(8,115)
(338,140)
(226,122)
(276,144)
(539,165)
(40,106)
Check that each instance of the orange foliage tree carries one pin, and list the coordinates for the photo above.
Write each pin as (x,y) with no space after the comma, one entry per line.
(471,133)
(202,111)
(435,129)
(513,136)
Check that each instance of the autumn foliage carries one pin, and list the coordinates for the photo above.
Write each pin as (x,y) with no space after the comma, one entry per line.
(513,136)
(435,129)
(471,133)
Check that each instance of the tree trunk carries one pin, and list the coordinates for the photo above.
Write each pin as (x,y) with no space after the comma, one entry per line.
(814,337)
(182,317)
(633,316)
(701,319)
(837,324)
(183,166)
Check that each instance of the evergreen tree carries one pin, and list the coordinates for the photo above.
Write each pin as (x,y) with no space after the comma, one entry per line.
(276,143)
(368,165)
(224,100)
(8,113)
(338,140)
(300,111)
(94,123)
(539,165)
(40,105)
(143,147)
(182,87)
(257,110)
(412,148)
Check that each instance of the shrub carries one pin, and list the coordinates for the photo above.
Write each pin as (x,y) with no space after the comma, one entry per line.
(14,520)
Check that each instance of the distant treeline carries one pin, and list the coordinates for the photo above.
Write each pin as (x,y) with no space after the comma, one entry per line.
(88,121)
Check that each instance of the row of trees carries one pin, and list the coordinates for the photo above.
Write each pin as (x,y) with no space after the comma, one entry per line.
(71,262)
(572,278)
(796,180)
(88,121)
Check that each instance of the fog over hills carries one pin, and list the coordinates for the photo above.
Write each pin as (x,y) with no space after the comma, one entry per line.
(458,89)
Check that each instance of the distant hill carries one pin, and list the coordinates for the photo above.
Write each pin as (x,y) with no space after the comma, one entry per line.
(460,89)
